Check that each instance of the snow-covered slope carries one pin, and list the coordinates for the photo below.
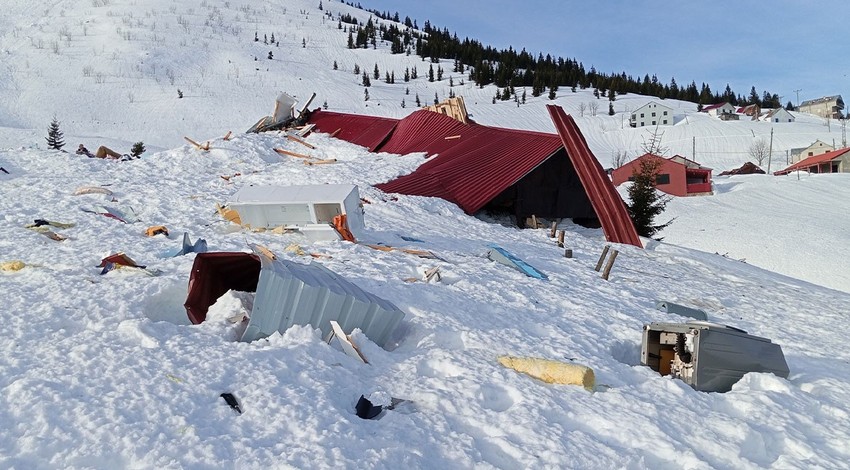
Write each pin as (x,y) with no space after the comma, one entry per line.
(103,371)
(110,71)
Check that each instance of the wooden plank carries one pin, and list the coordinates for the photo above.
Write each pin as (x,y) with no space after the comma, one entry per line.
(302,142)
(204,147)
(292,154)
(452,137)
(320,162)
(334,133)
(227,136)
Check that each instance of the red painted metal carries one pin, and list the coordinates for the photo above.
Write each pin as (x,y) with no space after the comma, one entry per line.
(610,208)
(368,131)
(473,165)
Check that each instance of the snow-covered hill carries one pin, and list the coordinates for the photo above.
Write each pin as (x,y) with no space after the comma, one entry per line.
(103,371)
(110,71)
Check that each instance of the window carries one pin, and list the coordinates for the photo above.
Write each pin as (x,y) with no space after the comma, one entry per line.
(653,114)
(641,114)
(665,113)
(663,179)
(653,123)
(664,122)
(634,117)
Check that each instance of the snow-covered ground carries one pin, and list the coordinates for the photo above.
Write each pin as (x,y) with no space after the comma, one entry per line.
(104,371)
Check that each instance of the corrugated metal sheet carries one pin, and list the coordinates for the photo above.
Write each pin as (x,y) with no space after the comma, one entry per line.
(610,208)
(423,131)
(470,169)
(290,293)
(368,131)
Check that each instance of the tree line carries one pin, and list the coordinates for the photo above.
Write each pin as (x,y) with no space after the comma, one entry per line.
(508,68)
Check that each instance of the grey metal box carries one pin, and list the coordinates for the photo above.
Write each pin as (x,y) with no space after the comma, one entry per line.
(709,357)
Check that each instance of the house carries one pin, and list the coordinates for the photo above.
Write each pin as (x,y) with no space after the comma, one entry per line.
(752,110)
(825,107)
(479,168)
(652,114)
(816,148)
(677,175)
(778,115)
(723,111)
(836,161)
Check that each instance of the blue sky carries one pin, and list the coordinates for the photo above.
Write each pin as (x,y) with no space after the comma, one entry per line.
(780,46)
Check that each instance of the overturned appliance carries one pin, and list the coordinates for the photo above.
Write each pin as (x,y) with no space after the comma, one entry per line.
(708,356)
(284,115)
(287,294)
(309,209)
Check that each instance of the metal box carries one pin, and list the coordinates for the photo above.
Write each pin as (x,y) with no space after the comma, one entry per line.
(708,356)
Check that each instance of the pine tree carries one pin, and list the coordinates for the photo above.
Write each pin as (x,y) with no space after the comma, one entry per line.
(54,136)
(436,98)
(645,202)
(610,108)
(138,149)
(376,73)
(431,73)
(350,40)
(271,56)
(335,66)
(365,94)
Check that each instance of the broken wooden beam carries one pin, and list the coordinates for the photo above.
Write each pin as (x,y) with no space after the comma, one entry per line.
(227,136)
(610,264)
(320,162)
(293,154)
(334,133)
(300,141)
(204,147)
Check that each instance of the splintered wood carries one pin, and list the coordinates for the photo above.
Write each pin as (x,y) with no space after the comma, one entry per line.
(302,142)
(204,147)
(292,154)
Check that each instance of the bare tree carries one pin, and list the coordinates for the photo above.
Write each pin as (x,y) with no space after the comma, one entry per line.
(759,151)
(594,106)
(652,145)
(619,158)
(581,109)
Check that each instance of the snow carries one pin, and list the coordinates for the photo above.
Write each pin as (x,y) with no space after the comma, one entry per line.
(104,371)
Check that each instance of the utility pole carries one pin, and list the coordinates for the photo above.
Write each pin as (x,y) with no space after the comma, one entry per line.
(770,151)
(797,91)
(694,151)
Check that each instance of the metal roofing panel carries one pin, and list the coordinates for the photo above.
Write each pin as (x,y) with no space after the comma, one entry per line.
(290,293)
(471,168)
(609,207)
(423,131)
(368,131)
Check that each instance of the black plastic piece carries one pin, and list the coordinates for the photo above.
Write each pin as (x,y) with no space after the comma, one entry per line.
(231,400)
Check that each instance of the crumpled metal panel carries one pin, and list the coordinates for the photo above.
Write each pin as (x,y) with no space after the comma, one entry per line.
(290,293)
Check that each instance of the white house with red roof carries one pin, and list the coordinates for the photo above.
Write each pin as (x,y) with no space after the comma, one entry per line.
(724,111)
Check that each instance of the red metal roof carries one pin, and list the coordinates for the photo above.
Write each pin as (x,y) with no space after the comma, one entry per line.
(472,166)
(368,131)
(424,131)
(713,106)
(813,161)
(475,163)
(610,208)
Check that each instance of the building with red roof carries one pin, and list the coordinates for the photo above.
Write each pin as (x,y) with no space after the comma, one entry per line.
(837,161)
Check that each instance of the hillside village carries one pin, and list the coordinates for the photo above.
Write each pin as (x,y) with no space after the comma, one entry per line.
(285,252)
